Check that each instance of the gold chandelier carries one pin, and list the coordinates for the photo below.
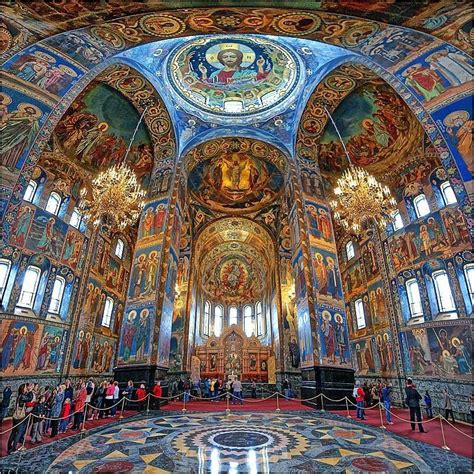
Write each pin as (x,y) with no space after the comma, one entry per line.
(360,197)
(116,198)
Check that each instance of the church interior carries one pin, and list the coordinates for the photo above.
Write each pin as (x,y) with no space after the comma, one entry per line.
(226,225)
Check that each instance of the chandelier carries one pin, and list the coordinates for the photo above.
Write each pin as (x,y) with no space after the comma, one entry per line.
(360,197)
(116,198)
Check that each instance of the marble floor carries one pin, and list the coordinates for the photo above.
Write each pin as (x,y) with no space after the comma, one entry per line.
(242,442)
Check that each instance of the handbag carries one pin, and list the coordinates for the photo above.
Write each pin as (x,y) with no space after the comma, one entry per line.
(20,412)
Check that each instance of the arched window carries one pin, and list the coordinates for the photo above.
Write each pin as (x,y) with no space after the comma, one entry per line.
(57,296)
(218,315)
(29,287)
(206,318)
(76,218)
(360,314)
(469,273)
(30,191)
(350,251)
(249,322)
(53,204)
(260,319)
(107,315)
(414,298)
(397,221)
(232,315)
(422,208)
(443,291)
(119,247)
(5,266)
(448,193)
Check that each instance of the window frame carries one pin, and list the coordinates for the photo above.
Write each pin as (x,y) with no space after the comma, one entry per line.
(8,264)
(441,292)
(248,320)
(416,203)
(350,255)
(221,319)
(31,184)
(397,217)
(259,319)
(59,300)
(106,321)
(52,196)
(358,316)
(120,244)
(206,317)
(469,268)
(76,211)
(443,188)
(414,305)
(233,313)
(30,305)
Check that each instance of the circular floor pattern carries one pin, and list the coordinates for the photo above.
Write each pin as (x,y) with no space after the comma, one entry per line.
(246,442)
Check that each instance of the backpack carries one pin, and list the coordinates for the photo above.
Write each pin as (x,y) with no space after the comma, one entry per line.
(89,389)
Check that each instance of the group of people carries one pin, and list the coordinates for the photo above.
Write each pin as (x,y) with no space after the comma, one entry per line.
(370,395)
(58,409)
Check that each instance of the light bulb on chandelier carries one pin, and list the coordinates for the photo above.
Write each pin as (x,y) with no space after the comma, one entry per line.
(359,196)
(115,198)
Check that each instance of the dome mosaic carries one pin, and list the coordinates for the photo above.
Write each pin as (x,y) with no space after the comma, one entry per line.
(234,76)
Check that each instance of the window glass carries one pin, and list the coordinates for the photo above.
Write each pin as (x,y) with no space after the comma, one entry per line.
(5,266)
(29,288)
(57,296)
(107,316)
(30,191)
(260,319)
(414,299)
(75,218)
(350,251)
(360,314)
(218,314)
(422,208)
(119,246)
(232,315)
(469,272)
(205,319)
(448,193)
(443,291)
(397,221)
(53,204)
(249,323)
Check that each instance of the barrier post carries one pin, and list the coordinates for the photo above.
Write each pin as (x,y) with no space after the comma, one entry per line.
(381,417)
(347,408)
(121,410)
(28,425)
(278,403)
(445,446)
(84,416)
(148,404)
(322,402)
(227,410)
(184,404)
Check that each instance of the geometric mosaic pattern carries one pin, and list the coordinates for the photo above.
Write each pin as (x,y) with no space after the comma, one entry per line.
(249,442)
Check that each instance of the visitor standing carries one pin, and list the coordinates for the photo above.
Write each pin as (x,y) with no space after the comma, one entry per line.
(253,387)
(286,388)
(428,405)
(79,405)
(448,406)
(413,401)
(385,397)
(109,398)
(5,403)
(56,407)
(129,392)
(141,396)
(157,394)
(471,408)
(360,397)
(116,398)
(65,412)
(237,386)
(38,414)
(18,417)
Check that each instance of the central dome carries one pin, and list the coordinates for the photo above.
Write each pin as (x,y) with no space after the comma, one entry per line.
(233,76)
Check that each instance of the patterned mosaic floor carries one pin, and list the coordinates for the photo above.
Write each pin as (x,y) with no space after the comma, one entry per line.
(245,442)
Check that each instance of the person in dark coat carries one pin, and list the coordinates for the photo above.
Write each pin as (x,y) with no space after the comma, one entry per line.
(5,403)
(413,401)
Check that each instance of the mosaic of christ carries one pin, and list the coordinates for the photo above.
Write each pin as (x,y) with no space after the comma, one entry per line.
(235,182)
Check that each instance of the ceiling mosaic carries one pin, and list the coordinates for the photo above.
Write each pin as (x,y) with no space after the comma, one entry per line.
(234,76)
(235,175)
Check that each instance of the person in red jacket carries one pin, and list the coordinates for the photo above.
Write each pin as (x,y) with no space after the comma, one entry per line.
(141,396)
(65,412)
(79,403)
(360,396)
(157,391)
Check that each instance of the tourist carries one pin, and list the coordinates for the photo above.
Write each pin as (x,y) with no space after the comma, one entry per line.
(385,397)
(220,388)
(19,417)
(5,403)
(360,397)
(69,393)
(157,391)
(253,387)
(129,393)
(115,398)
(79,405)
(56,407)
(207,387)
(181,387)
(65,412)
(374,392)
(428,405)
(413,401)
(237,387)
(39,411)
(448,406)
(109,398)
(141,396)
(49,406)
(213,386)
(286,388)
(187,390)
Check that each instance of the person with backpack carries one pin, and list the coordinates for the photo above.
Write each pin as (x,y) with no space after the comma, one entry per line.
(413,401)
(19,417)
(428,405)
(386,392)
(90,387)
